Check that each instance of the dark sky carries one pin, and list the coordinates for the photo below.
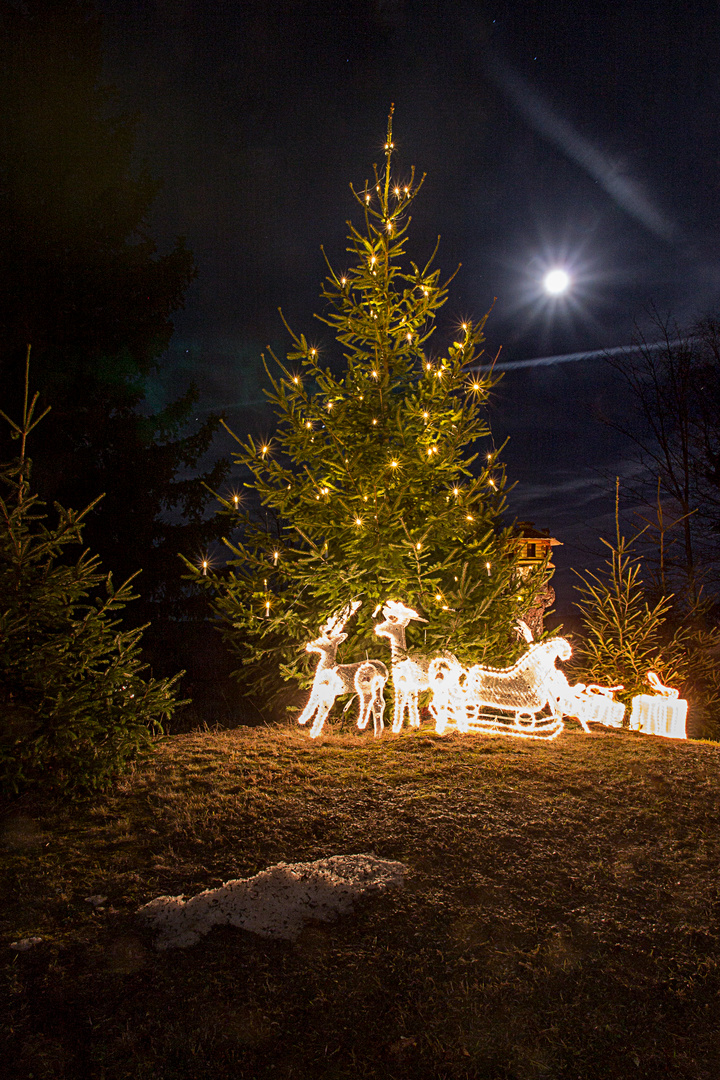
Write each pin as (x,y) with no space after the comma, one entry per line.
(552,133)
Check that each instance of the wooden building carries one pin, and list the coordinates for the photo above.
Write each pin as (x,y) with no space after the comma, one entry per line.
(535,550)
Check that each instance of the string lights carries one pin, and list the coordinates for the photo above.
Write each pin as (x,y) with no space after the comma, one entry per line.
(409,676)
(506,701)
(426,509)
(590,704)
(527,700)
(366,679)
(661,713)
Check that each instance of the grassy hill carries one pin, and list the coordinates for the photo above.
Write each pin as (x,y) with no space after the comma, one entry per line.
(561,918)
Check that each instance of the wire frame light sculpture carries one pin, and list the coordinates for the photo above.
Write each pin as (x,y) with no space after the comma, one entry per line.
(409,672)
(366,678)
(522,700)
(593,704)
(527,700)
(662,713)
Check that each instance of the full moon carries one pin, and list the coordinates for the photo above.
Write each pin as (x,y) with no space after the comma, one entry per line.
(556,282)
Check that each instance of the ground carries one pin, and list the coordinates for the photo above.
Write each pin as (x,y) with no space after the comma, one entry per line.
(561,916)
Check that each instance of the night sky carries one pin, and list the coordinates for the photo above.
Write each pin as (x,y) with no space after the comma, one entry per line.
(552,134)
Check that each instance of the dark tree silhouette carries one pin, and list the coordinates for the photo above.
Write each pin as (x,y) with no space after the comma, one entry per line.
(83,283)
(673,375)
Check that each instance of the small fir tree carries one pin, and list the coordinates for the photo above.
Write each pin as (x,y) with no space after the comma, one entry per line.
(625,635)
(376,484)
(74,707)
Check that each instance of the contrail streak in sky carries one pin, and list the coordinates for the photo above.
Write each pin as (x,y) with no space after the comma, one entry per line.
(566,358)
(624,191)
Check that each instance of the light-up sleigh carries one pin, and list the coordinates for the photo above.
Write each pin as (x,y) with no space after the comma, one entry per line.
(522,700)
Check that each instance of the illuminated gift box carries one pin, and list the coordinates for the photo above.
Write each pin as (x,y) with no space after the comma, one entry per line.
(659,714)
(601,709)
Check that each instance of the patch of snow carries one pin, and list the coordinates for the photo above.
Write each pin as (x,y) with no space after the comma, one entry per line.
(274,903)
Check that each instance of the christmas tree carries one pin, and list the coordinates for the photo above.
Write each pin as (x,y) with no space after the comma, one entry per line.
(381,480)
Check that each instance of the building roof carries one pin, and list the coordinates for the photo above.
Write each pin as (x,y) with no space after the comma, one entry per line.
(525,530)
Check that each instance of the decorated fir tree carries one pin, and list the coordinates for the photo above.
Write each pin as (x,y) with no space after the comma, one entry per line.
(381,480)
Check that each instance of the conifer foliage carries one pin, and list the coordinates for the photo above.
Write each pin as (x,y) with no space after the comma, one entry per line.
(74,707)
(625,634)
(381,480)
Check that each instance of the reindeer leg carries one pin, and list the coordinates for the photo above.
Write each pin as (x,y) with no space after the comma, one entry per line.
(309,710)
(378,707)
(322,712)
(324,693)
(365,701)
(363,683)
(441,717)
(413,711)
(398,711)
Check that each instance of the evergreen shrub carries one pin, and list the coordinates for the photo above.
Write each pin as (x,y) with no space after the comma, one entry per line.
(75,706)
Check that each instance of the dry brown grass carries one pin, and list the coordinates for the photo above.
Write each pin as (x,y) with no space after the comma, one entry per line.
(561,918)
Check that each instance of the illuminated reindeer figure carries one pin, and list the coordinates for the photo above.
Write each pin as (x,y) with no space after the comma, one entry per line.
(409,672)
(366,678)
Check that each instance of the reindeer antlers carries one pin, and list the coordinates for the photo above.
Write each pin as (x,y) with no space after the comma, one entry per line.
(337,621)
